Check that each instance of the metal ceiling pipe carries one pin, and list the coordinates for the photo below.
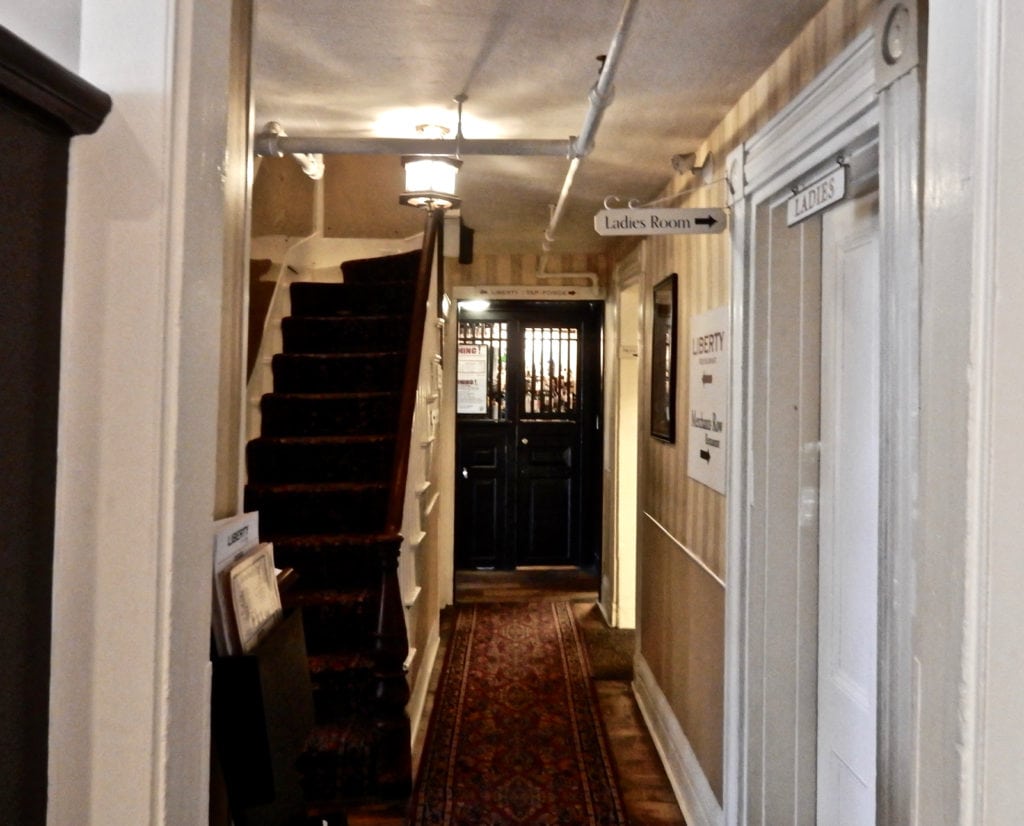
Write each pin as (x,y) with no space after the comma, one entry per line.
(600,96)
(270,143)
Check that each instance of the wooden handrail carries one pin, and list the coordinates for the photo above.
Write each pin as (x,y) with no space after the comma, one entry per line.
(410,382)
(392,644)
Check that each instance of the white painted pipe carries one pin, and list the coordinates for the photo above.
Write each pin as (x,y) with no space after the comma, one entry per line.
(273,144)
(602,92)
(600,96)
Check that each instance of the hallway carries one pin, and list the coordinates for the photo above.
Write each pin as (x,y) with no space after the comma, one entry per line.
(646,793)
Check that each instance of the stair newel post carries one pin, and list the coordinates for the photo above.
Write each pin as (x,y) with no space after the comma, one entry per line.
(391,640)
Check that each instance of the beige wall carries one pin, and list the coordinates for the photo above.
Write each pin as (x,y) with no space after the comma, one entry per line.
(517,268)
(682,562)
(282,199)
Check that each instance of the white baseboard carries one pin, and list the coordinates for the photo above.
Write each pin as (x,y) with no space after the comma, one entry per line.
(692,790)
(418,695)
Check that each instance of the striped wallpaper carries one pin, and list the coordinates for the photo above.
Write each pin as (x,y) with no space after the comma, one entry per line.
(694,514)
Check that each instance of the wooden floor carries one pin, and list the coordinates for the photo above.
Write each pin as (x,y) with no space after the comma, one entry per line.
(646,792)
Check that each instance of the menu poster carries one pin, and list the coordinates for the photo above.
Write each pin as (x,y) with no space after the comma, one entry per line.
(254,596)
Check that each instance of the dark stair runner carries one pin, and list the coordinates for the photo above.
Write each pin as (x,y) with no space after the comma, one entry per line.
(319,475)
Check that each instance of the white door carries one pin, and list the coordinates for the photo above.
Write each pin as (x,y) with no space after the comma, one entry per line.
(848,547)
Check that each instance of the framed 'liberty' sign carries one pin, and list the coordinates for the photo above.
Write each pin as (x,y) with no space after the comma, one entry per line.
(709,397)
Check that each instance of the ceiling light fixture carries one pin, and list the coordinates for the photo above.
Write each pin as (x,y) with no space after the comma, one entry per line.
(430,179)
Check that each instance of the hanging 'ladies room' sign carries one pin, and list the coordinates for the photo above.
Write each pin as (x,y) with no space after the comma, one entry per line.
(660,221)
(709,397)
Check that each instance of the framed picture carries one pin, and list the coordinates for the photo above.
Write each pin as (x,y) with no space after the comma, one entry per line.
(663,360)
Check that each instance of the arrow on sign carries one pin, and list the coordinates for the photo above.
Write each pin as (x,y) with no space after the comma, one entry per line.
(706,456)
(707,222)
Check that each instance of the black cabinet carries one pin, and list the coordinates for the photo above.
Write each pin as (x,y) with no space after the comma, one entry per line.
(262,715)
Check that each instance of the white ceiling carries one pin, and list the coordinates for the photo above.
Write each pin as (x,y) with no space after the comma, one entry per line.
(364,68)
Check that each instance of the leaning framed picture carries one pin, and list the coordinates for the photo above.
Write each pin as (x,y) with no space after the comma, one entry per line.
(663,360)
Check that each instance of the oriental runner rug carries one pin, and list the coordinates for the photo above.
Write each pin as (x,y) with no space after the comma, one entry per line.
(515,735)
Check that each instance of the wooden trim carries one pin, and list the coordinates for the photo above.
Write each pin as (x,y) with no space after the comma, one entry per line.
(830,113)
(419,713)
(689,783)
(28,74)
(899,203)
(700,563)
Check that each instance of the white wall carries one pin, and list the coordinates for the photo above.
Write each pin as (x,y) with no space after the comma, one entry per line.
(993,649)
(52,27)
(136,467)
(945,349)
(970,571)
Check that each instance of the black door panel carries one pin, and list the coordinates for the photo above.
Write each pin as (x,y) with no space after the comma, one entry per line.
(530,467)
(481,495)
(549,493)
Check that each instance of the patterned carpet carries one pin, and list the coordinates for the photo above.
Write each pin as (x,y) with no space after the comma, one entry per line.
(515,735)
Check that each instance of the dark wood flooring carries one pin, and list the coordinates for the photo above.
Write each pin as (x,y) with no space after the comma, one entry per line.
(646,791)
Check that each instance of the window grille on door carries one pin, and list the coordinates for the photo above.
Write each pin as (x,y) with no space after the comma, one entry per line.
(549,372)
(494,336)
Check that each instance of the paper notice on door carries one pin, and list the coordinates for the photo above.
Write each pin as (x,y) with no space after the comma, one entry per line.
(472,379)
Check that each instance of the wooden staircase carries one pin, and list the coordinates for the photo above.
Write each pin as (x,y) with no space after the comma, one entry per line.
(327,475)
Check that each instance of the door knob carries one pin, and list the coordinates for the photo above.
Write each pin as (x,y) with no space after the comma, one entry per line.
(525,441)
(465,473)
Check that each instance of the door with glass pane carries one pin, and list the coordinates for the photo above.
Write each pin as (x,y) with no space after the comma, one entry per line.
(528,435)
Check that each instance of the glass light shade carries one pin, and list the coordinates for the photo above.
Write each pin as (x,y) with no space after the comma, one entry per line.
(430,181)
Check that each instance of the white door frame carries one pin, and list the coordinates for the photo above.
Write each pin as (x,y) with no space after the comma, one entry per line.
(623,515)
(858,95)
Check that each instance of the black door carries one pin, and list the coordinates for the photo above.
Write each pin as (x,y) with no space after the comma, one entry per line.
(528,435)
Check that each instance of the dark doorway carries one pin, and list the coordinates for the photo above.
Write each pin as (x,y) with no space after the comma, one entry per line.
(528,438)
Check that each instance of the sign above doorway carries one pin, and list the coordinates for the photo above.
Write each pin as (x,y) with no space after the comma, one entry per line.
(817,196)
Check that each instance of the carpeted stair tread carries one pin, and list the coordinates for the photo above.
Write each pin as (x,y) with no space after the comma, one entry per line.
(347,439)
(337,560)
(318,507)
(319,299)
(333,334)
(336,396)
(343,684)
(402,266)
(322,414)
(334,738)
(336,621)
(317,487)
(339,662)
(334,597)
(313,542)
(287,459)
(336,372)
(355,758)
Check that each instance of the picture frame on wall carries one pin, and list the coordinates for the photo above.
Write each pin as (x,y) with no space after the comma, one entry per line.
(663,359)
